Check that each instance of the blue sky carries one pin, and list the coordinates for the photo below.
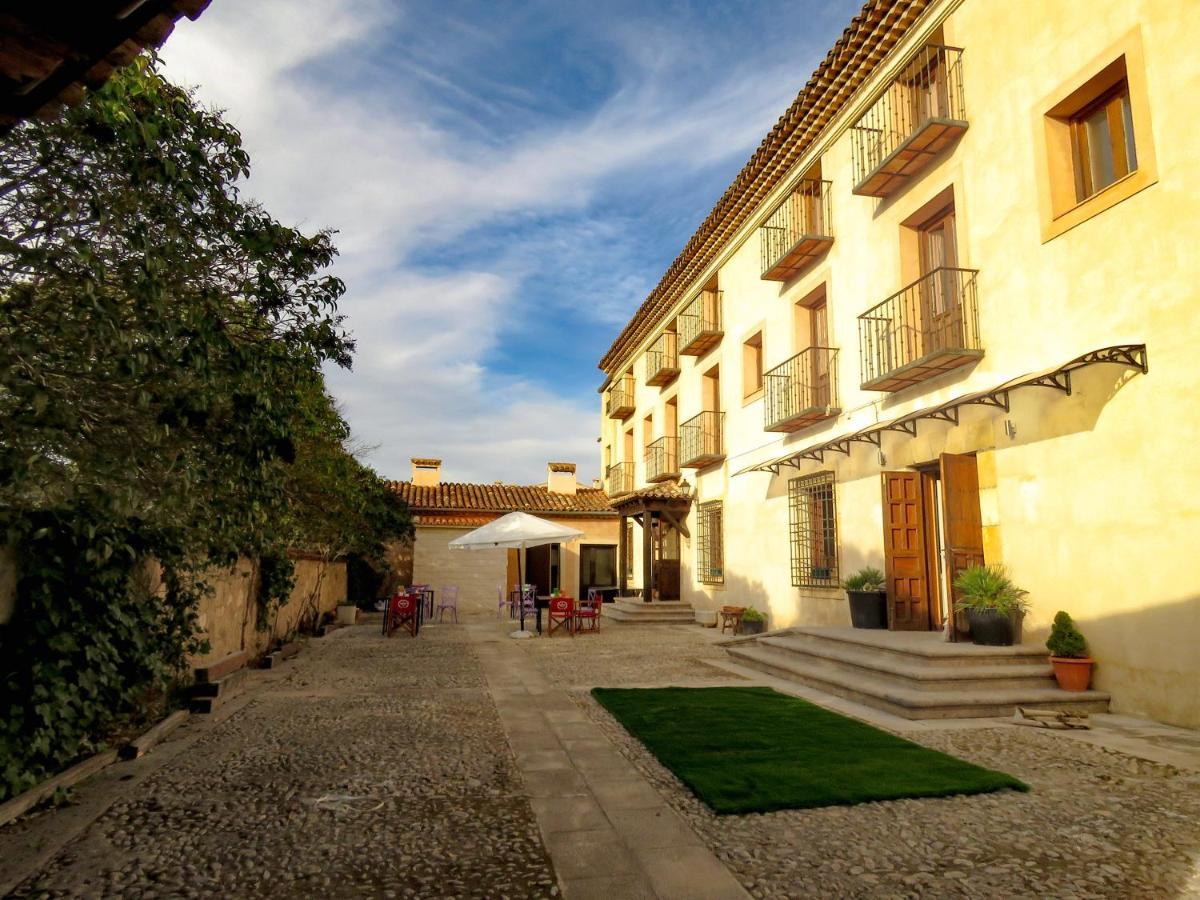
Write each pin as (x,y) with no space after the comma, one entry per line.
(508,182)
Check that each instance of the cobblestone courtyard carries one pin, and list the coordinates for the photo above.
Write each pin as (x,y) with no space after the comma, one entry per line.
(373,767)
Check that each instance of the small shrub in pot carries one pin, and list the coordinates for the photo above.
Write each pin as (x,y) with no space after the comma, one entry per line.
(1069,654)
(992,603)
(753,622)
(866,590)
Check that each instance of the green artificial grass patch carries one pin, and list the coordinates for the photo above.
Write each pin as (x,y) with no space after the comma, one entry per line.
(750,749)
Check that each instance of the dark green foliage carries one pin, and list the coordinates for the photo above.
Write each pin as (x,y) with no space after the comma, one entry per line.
(1066,640)
(745,750)
(867,578)
(753,615)
(989,587)
(161,344)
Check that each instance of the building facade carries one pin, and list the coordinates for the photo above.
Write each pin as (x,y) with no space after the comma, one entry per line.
(947,315)
(443,511)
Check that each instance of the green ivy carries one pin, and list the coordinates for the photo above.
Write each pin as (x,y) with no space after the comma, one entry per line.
(162,340)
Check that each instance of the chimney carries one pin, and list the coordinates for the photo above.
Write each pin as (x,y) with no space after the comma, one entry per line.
(561,479)
(426,472)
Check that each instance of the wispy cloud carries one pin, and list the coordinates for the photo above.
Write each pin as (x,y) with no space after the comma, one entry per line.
(504,194)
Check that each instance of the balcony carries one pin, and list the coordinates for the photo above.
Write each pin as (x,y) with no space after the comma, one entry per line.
(662,459)
(618,479)
(802,391)
(930,327)
(798,232)
(700,324)
(702,440)
(919,115)
(620,399)
(662,360)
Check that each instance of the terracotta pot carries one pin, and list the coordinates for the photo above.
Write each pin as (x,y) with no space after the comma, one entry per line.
(1072,674)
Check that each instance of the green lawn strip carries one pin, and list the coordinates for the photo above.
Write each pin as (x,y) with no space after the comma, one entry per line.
(752,749)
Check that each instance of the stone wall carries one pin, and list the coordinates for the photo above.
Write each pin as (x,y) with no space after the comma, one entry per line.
(228,615)
(477,573)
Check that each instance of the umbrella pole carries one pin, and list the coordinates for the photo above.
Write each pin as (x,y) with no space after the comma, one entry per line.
(521,585)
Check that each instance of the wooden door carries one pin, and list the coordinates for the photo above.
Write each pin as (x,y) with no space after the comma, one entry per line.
(904,552)
(666,560)
(941,312)
(962,524)
(818,323)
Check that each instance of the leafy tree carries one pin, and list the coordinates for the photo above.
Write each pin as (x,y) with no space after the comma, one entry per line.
(161,344)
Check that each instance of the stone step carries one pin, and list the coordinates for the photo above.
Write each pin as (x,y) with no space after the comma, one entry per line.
(899,697)
(661,613)
(922,672)
(209,696)
(921,647)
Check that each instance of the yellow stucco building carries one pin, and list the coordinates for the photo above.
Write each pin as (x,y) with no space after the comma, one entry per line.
(948,313)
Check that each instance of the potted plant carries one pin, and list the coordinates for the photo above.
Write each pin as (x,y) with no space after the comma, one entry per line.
(753,622)
(1068,654)
(867,592)
(992,604)
(347,613)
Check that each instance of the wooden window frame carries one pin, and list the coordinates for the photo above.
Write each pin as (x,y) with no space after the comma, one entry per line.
(753,378)
(710,543)
(1081,150)
(803,493)
(1059,205)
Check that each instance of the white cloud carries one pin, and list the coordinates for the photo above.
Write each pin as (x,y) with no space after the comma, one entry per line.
(375,162)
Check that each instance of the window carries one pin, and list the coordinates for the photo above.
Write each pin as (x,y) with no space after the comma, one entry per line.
(1102,142)
(710,545)
(1097,138)
(752,366)
(812,518)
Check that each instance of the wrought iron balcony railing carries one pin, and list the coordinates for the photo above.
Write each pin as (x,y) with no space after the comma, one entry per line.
(930,327)
(618,479)
(702,440)
(920,114)
(700,324)
(802,390)
(620,398)
(798,232)
(662,459)
(662,360)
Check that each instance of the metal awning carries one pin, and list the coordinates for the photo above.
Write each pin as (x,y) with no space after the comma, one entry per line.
(1057,378)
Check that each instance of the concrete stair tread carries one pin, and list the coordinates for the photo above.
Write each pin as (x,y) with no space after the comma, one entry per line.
(919,646)
(919,668)
(660,612)
(905,700)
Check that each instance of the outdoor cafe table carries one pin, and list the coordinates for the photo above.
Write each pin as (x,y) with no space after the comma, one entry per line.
(540,602)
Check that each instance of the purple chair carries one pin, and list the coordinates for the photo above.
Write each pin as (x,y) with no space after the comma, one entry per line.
(501,602)
(448,601)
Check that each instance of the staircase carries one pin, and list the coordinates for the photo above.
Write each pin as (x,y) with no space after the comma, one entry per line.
(915,675)
(635,610)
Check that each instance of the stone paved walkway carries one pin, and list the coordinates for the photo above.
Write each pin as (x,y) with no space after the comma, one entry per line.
(610,834)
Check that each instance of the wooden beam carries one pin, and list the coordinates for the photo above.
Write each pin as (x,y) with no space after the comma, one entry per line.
(678,524)
(622,549)
(647,558)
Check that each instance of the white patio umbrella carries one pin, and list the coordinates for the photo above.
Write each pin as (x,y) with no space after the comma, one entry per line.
(516,531)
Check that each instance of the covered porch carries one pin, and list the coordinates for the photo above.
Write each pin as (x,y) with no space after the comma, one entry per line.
(661,513)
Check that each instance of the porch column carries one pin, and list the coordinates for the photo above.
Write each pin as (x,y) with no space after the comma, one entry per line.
(647,555)
(622,549)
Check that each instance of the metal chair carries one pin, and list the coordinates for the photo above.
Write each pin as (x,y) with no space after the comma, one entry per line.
(449,601)
(501,601)
(589,611)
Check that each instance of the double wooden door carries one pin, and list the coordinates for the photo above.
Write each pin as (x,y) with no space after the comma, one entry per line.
(932,530)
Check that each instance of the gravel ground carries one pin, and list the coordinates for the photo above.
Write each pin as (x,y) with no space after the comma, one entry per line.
(1097,823)
(373,768)
(622,654)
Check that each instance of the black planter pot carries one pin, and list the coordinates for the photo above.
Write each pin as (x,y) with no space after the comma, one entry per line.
(752,627)
(868,609)
(991,628)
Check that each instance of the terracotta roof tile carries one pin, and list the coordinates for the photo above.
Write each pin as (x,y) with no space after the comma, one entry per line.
(452,496)
(876,29)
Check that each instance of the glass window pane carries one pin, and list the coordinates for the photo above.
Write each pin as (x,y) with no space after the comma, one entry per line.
(1100,149)
(1127,117)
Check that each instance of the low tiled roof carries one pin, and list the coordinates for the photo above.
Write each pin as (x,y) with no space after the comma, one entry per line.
(455,520)
(51,51)
(879,25)
(502,498)
(667,490)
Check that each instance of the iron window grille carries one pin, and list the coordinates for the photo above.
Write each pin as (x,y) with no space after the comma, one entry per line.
(710,544)
(813,523)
